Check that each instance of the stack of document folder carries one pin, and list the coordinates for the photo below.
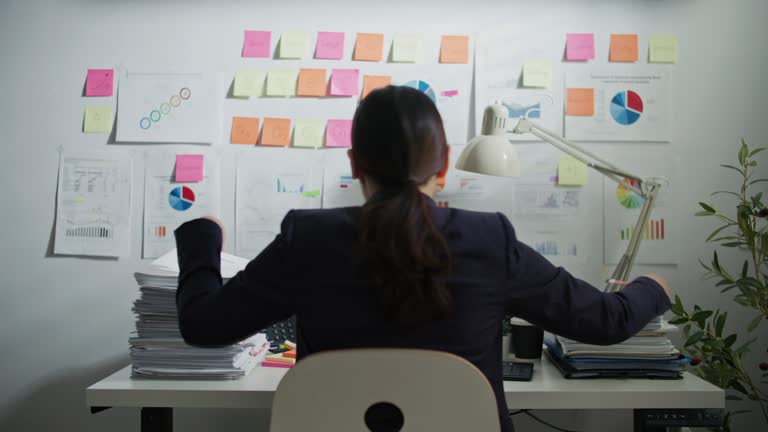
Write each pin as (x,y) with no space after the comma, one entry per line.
(648,354)
(158,350)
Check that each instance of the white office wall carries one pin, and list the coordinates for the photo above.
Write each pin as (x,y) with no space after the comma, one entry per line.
(64,321)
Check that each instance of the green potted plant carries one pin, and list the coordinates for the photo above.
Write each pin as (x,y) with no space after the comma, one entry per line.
(719,357)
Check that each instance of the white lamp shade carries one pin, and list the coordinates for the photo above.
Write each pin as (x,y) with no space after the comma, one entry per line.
(490,155)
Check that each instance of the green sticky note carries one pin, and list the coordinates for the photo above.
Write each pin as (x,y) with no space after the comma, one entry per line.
(662,49)
(407,48)
(97,119)
(293,45)
(308,133)
(537,73)
(281,82)
(312,193)
(571,172)
(248,82)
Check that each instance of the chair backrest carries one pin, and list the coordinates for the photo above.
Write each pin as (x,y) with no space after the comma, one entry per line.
(355,390)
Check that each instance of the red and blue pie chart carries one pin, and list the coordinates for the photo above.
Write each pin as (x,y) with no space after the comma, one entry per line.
(626,107)
(181,198)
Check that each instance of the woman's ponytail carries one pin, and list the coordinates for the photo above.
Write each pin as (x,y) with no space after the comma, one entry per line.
(407,256)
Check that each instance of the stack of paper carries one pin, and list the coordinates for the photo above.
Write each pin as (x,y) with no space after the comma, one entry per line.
(649,351)
(158,350)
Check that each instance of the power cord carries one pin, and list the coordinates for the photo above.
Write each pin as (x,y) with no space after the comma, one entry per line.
(528,413)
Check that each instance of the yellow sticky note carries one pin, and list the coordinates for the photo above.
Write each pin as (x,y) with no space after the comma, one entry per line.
(293,45)
(537,73)
(662,49)
(407,48)
(97,119)
(308,133)
(571,172)
(248,82)
(281,82)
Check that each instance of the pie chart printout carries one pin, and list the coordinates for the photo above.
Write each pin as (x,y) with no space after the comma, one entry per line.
(181,198)
(626,107)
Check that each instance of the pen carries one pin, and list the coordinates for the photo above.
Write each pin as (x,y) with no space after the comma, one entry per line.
(617,282)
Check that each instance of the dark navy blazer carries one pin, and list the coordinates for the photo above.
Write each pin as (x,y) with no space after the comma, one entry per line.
(313,270)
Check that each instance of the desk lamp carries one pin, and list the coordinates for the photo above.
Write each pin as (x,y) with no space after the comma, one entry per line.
(491,153)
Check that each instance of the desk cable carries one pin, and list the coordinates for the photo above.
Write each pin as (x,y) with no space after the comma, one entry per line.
(528,413)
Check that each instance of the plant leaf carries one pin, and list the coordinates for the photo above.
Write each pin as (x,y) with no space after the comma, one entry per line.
(720,324)
(744,348)
(717,231)
(756,151)
(755,322)
(758,181)
(733,168)
(680,320)
(725,192)
(696,337)
(730,340)
(707,207)
(743,153)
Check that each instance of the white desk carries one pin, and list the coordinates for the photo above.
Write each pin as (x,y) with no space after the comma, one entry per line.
(547,390)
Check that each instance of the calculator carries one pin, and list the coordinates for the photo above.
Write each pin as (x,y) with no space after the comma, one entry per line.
(516,371)
(281,331)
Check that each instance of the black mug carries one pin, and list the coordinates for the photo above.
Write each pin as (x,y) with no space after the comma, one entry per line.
(526,339)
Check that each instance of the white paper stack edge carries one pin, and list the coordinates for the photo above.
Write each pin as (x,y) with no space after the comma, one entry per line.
(158,351)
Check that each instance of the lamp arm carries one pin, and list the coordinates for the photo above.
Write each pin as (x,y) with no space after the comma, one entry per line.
(627,260)
(647,189)
(581,154)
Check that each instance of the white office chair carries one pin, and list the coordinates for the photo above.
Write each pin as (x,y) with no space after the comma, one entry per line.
(384,390)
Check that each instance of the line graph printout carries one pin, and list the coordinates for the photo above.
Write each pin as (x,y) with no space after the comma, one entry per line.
(166,107)
(168,204)
(268,185)
(630,105)
(93,205)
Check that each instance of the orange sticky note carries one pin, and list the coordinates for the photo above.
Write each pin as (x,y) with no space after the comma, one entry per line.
(454,49)
(245,130)
(311,82)
(623,48)
(369,47)
(290,354)
(276,132)
(372,82)
(580,102)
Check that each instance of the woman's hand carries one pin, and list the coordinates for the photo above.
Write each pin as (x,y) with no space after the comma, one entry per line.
(663,282)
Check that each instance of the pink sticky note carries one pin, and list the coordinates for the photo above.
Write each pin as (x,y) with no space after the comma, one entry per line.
(338,133)
(449,93)
(99,82)
(257,43)
(345,82)
(580,46)
(189,168)
(330,45)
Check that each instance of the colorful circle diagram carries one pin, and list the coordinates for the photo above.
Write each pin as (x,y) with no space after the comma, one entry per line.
(626,107)
(627,197)
(424,88)
(165,108)
(181,198)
